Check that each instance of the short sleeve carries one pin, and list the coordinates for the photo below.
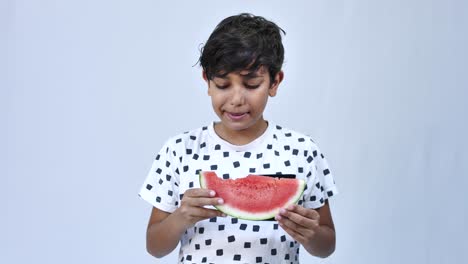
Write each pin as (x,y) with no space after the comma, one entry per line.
(322,184)
(161,186)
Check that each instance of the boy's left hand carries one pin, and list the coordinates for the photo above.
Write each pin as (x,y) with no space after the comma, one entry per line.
(299,222)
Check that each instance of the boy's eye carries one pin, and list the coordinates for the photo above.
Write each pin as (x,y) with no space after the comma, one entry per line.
(252,86)
(246,86)
(221,86)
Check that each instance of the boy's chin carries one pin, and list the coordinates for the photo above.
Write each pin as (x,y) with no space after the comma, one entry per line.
(233,127)
(237,126)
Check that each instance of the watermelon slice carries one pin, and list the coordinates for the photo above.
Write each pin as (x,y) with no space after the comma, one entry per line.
(254,197)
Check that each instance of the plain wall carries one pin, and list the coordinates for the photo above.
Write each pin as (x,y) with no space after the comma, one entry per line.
(90,90)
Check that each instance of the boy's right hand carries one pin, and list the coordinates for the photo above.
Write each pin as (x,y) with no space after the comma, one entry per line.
(192,209)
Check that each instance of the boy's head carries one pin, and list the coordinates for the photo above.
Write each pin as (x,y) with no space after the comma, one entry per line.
(243,42)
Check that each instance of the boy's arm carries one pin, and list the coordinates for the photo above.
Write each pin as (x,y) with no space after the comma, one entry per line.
(325,242)
(162,234)
(314,229)
(165,229)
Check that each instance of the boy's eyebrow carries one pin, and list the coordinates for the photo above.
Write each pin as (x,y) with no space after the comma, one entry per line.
(250,75)
(221,76)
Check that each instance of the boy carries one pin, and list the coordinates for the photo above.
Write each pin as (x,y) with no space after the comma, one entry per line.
(241,64)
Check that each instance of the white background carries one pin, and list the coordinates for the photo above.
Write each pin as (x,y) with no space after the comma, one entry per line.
(90,90)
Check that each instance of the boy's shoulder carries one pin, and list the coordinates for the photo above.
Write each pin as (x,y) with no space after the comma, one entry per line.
(192,135)
(282,133)
(293,140)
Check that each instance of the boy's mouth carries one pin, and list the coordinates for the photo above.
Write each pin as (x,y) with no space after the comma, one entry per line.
(236,116)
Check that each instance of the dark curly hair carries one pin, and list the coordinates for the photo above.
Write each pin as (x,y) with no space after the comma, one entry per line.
(243,42)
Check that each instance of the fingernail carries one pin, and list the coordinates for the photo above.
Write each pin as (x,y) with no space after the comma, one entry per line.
(282,210)
(291,207)
(212,193)
(220,201)
(277,217)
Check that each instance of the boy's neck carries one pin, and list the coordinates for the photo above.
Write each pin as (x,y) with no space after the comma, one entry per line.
(241,137)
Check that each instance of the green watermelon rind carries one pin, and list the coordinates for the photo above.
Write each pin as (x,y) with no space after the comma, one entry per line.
(256,216)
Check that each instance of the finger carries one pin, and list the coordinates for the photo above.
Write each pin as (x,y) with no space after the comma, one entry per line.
(286,222)
(200,213)
(204,213)
(197,201)
(198,192)
(294,234)
(306,212)
(299,219)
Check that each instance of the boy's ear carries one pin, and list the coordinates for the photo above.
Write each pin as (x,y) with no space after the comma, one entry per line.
(276,82)
(207,81)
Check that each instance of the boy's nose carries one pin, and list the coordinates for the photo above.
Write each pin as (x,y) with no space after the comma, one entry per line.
(237,96)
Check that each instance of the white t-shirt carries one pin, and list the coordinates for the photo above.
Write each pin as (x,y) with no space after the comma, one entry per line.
(231,240)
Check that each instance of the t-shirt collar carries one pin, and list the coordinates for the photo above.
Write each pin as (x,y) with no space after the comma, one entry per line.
(249,146)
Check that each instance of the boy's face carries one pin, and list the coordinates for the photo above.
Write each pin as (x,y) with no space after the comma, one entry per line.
(239,98)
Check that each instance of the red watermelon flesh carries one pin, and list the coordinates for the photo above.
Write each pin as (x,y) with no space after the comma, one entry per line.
(254,197)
